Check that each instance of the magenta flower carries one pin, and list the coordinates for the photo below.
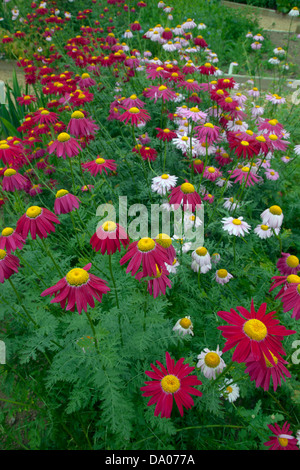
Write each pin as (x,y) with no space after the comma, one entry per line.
(64,146)
(10,240)
(13,181)
(109,237)
(283,439)
(288,264)
(172,381)
(263,371)
(99,165)
(185,195)
(160,91)
(39,221)
(135,116)
(78,289)
(9,265)
(146,253)
(244,175)
(65,202)
(80,126)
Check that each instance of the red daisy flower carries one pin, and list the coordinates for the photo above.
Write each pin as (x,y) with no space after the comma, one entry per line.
(65,202)
(10,240)
(39,221)
(135,116)
(165,134)
(108,237)
(80,126)
(242,175)
(9,265)
(148,154)
(174,380)
(283,281)
(185,195)
(160,91)
(145,252)
(291,300)
(158,284)
(207,69)
(288,264)
(64,146)
(283,439)
(263,371)
(78,289)
(255,334)
(25,100)
(99,165)
(13,181)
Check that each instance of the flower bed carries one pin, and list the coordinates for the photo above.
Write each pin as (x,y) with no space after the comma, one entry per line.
(149,248)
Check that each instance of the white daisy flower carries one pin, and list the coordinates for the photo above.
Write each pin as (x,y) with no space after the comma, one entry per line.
(229,204)
(211,363)
(191,221)
(294,11)
(128,34)
(201,260)
(237,227)
(221,181)
(223,276)
(180,244)
(274,61)
(163,184)
(297,149)
(201,26)
(263,231)
(189,24)
(172,268)
(230,391)
(184,326)
(272,217)
(279,51)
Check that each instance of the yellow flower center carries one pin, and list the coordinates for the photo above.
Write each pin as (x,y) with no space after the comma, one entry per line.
(77,277)
(222,273)
(244,143)
(211,169)
(185,323)
(292,261)
(229,389)
(164,176)
(170,384)
(77,115)
(273,137)
(273,122)
(212,359)
(275,210)
(228,99)
(133,97)
(63,137)
(207,64)
(109,226)
(194,109)
(61,193)
(162,88)
(293,279)
(33,212)
(187,188)
(45,112)
(268,363)
(100,160)
(201,251)
(197,161)
(255,329)
(134,110)
(10,172)
(146,244)
(283,441)
(236,221)
(264,227)
(7,231)
(2,254)
(85,75)
(164,240)
(245,169)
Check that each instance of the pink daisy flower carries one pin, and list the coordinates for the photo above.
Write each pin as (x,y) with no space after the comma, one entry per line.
(186,195)
(262,371)
(135,116)
(80,126)
(172,381)
(78,289)
(13,181)
(165,134)
(158,284)
(211,173)
(208,133)
(65,202)
(26,100)
(271,174)
(288,264)
(99,165)
(255,334)
(64,146)
(39,221)
(291,300)
(133,101)
(244,174)
(10,240)
(283,439)
(283,281)
(9,265)
(160,91)
(146,253)
(109,237)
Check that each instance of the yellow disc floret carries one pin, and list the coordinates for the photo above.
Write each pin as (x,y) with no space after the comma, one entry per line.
(212,359)
(170,384)
(255,329)
(77,277)
(33,212)
(146,244)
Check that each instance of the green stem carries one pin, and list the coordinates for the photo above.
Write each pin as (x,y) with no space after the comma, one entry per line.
(53,260)
(22,305)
